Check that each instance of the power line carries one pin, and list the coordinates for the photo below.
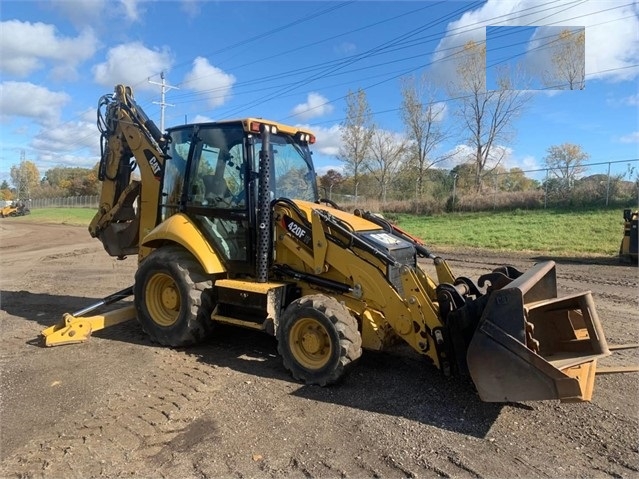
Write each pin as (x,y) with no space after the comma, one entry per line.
(402,40)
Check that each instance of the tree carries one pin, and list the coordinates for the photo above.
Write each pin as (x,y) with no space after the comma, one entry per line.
(566,162)
(329,180)
(357,131)
(25,177)
(73,181)
(568,61)
(422,122)
(487,116)
(386,154)
(516,180)
(5,191)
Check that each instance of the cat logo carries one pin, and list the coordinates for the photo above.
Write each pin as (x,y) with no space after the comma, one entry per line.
(155,165)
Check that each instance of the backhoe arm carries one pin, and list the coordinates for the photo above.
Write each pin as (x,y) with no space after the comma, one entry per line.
(128,207)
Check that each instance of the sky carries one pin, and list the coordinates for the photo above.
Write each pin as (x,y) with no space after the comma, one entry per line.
(295,62)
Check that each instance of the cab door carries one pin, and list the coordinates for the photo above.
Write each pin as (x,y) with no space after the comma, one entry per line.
(215,197)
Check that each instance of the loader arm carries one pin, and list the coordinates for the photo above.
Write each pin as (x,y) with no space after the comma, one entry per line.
(128,207)
(514,336)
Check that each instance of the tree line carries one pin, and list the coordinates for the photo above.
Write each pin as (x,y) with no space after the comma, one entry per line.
(59,181)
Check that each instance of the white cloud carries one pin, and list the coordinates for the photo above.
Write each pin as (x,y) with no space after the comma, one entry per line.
(460,154)
(632,100)
(65,137)
(440,111)
(131,9)
(132,64)
(213,83)
(611,33)
(322,170)
(81,12)
(201,119)
(47,160)
(28,47)
(316,105)
(328,140)
(630,138)
(23,99)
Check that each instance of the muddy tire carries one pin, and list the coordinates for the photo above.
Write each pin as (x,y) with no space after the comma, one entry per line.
(173,297)
(318,339)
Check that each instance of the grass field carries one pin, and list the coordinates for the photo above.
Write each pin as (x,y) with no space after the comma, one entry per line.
(565,233)
(65,216)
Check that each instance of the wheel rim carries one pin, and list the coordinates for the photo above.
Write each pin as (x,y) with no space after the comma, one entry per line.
(162,298)
(310,343)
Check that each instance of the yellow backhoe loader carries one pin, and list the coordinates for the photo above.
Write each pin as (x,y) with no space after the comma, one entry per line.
(629,249)
(227,226)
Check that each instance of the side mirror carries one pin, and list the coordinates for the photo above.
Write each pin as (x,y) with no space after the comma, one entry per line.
(627,214)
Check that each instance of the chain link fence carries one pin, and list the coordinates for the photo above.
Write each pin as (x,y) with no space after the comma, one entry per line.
(68,202)
(597,184)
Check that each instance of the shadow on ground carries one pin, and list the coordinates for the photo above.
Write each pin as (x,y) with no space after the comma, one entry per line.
(402,385)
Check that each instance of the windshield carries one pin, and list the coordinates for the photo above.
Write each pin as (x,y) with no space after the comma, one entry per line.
(292,169)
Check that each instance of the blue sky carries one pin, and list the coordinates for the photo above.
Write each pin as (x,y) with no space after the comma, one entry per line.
(295,61)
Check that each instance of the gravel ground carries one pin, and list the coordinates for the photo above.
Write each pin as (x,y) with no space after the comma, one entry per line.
(119,406)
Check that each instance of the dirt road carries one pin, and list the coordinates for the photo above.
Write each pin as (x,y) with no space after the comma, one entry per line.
(118,406)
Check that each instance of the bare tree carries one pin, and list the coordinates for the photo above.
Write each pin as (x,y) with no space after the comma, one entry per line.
(357,131)
(568,61)
(487,116)
(387,151)
(566,162)
(422,120)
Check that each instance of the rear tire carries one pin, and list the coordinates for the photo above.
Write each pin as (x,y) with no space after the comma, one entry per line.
(317,339)
(173,297)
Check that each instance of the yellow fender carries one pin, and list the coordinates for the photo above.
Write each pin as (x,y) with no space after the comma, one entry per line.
(181,230)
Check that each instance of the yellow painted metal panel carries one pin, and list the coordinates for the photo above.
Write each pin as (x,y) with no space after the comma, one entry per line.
(180,229)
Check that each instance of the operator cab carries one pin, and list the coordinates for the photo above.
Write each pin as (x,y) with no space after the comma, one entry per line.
(212,175)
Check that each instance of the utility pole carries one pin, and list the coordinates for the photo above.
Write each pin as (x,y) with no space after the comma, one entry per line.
(162,102)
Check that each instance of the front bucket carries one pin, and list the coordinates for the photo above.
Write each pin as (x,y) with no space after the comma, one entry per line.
(530,345)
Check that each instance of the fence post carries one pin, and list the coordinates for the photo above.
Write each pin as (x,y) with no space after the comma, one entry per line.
(608,185)
(546,190)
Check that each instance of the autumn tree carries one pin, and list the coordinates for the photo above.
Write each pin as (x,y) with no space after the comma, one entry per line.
(357,131)
(516,180)
(566,162)
(5,192)
(329,180)
(387,151)
(486,116)
(73,181)
(568,61)
(25,178)
(421,116)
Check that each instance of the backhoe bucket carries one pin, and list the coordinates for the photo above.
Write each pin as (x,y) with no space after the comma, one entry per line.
(530,345)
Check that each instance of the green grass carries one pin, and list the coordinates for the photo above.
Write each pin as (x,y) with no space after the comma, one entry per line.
(564,233)
(580,233)
(65,216)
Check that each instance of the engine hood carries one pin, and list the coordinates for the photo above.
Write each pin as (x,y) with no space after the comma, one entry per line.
(356,222)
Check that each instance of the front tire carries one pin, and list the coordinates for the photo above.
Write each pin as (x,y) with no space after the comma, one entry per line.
(173,297)
(317,339)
